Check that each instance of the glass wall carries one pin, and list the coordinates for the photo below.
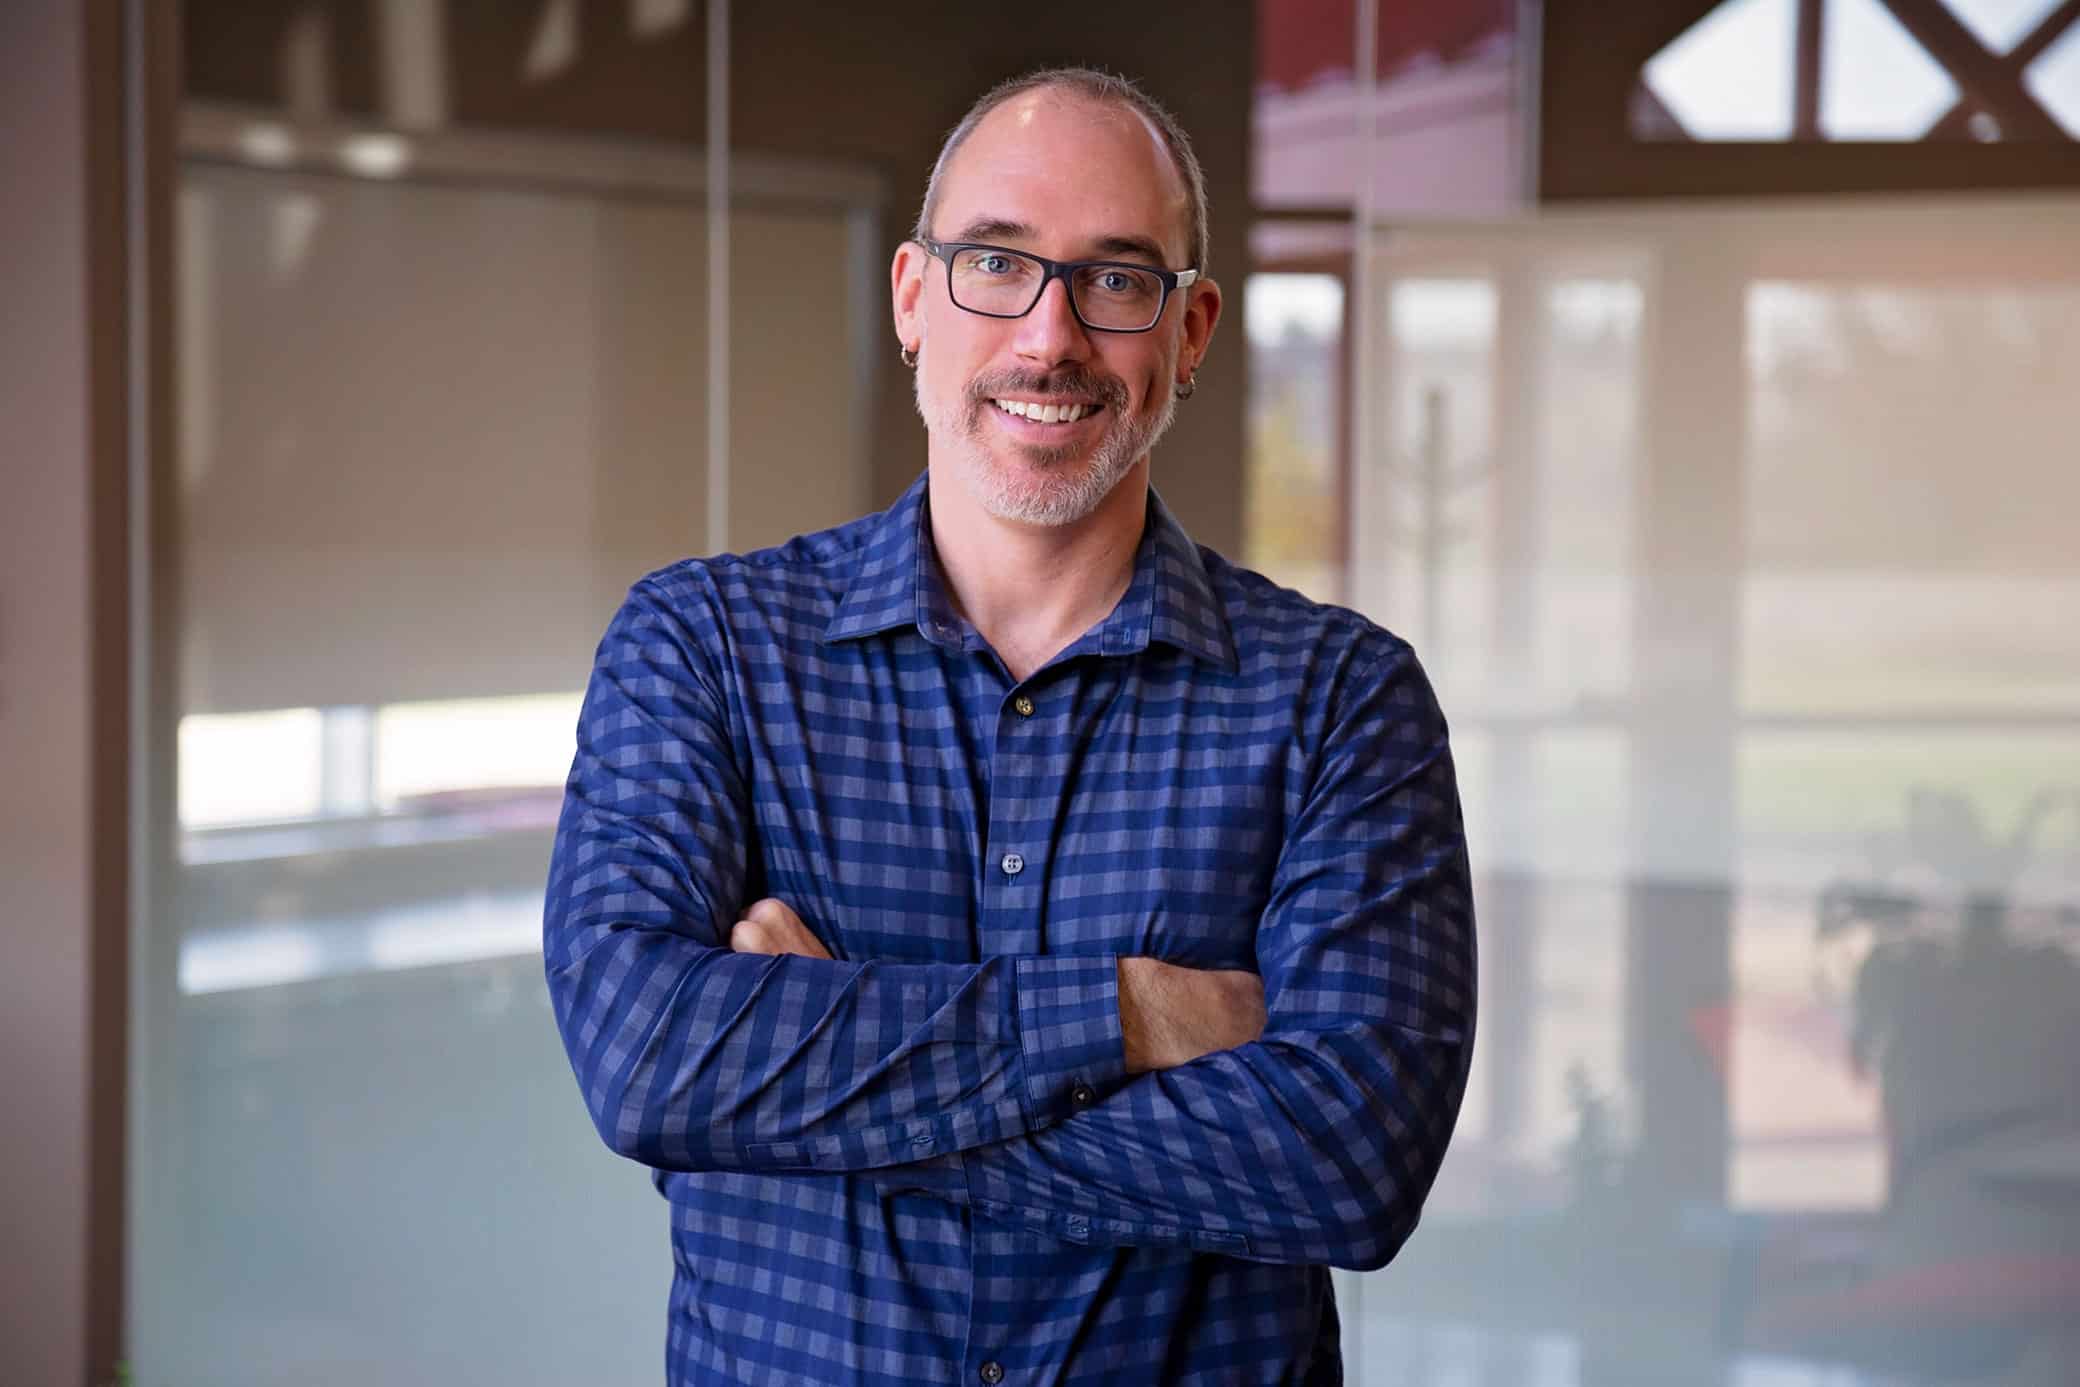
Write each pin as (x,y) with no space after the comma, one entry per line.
(441,398)
(1738,544)
(440,283)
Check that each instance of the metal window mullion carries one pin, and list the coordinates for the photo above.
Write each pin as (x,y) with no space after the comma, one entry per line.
(717,168)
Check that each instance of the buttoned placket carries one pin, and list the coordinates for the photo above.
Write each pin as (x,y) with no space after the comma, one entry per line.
(1020,818)
(1023,748)
(1023,786)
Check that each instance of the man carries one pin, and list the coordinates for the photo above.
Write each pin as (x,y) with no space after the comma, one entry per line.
(1026,947)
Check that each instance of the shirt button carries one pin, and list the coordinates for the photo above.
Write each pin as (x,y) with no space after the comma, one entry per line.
(1024,706)
(992,1372)
(1012,864)
(1082,1095)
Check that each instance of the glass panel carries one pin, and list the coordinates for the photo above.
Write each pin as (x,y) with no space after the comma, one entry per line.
(1729,76)
(1876,82)
(1434,482)
(1296,418)
(2001,24)
(424,751)
(1447,89)
(430,431)
(1756,637)
(246,768)
(2054,80)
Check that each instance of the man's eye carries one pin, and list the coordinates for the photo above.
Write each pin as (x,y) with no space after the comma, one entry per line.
(993,264)
(1116,281)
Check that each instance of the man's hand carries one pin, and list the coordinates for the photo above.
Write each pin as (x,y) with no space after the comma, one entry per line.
(771,927)
(1170,1014)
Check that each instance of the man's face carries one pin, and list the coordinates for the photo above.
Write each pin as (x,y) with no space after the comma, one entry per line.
(1064,178)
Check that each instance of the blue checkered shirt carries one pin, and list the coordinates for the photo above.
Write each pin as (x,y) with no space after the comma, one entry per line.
(922,1160)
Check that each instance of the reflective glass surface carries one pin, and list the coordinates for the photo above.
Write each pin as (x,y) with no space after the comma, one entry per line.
(429,433)
(1737,544)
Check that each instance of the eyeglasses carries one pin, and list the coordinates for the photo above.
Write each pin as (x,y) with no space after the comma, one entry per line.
(1105,295)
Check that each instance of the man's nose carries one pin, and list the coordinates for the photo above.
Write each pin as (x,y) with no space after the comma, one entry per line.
(1050,332)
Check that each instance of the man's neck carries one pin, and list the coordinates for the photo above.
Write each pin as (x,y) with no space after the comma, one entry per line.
(1031,589)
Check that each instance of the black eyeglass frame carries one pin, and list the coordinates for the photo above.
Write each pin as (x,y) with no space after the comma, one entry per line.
(1172,280)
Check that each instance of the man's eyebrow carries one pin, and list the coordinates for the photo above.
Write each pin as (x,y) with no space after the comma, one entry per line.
(993,229)
(1114,247)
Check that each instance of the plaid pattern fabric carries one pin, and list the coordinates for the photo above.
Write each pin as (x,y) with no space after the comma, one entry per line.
(922,1161)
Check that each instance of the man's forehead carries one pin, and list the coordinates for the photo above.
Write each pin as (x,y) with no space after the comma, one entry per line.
(1055,142)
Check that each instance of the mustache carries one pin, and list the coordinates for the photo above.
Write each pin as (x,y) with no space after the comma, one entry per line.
(1079,381)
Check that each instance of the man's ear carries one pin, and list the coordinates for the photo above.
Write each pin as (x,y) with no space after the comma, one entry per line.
(1202,310)
(906,292)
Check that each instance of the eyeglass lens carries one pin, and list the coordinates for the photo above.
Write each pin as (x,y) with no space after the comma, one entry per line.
(1007,284)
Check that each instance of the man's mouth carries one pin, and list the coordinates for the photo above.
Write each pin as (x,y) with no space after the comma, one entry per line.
(1052,412)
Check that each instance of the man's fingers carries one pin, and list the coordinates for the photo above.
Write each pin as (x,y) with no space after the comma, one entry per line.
(774,912)
(771,927)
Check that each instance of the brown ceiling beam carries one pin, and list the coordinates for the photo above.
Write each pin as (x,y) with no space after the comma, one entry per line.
(2043,36)
(1662,120)
(1655,26)
(1954,122)
(1984,79)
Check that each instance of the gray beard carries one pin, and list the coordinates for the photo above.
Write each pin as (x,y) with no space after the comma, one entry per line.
(1066,493)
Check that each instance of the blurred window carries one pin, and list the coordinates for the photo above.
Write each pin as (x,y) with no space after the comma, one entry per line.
(1867,70)
(1294,502)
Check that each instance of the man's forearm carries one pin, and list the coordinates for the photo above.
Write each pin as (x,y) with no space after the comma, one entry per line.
(700,1059)
(1169,1014)
(1310,1148)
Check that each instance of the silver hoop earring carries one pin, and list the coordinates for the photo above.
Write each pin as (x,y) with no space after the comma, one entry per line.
(1191,384)
(909,356)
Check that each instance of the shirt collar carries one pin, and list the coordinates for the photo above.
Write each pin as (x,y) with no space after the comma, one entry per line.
(1169,599)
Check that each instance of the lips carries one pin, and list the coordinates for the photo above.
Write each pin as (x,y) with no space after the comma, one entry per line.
(1039,405)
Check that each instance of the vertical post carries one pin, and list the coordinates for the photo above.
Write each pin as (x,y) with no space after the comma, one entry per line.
(412,48)
(717,165)
(1681,779)
(152,1188)
(1805,109)
(1433,480)
(1359,313)
(1509,905)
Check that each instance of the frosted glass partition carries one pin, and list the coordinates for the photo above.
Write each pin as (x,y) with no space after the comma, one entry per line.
(430,430)
(1740,543)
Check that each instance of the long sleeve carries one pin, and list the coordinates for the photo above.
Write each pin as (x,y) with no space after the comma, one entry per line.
(691,1057)
(1318,1143)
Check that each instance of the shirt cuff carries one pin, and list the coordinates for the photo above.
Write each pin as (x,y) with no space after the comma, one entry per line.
(1068,1033)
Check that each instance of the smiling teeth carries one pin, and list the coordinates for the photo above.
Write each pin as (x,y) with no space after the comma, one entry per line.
(1045,414)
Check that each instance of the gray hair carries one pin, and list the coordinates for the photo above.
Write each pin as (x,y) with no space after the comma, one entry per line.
(1106,89)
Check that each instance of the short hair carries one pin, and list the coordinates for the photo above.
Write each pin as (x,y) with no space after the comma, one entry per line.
(1103,88)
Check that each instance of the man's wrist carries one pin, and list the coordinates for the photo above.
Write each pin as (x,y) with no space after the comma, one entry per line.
(1138,1047)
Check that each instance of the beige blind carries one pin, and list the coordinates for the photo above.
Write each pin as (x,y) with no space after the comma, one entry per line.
(429,433)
